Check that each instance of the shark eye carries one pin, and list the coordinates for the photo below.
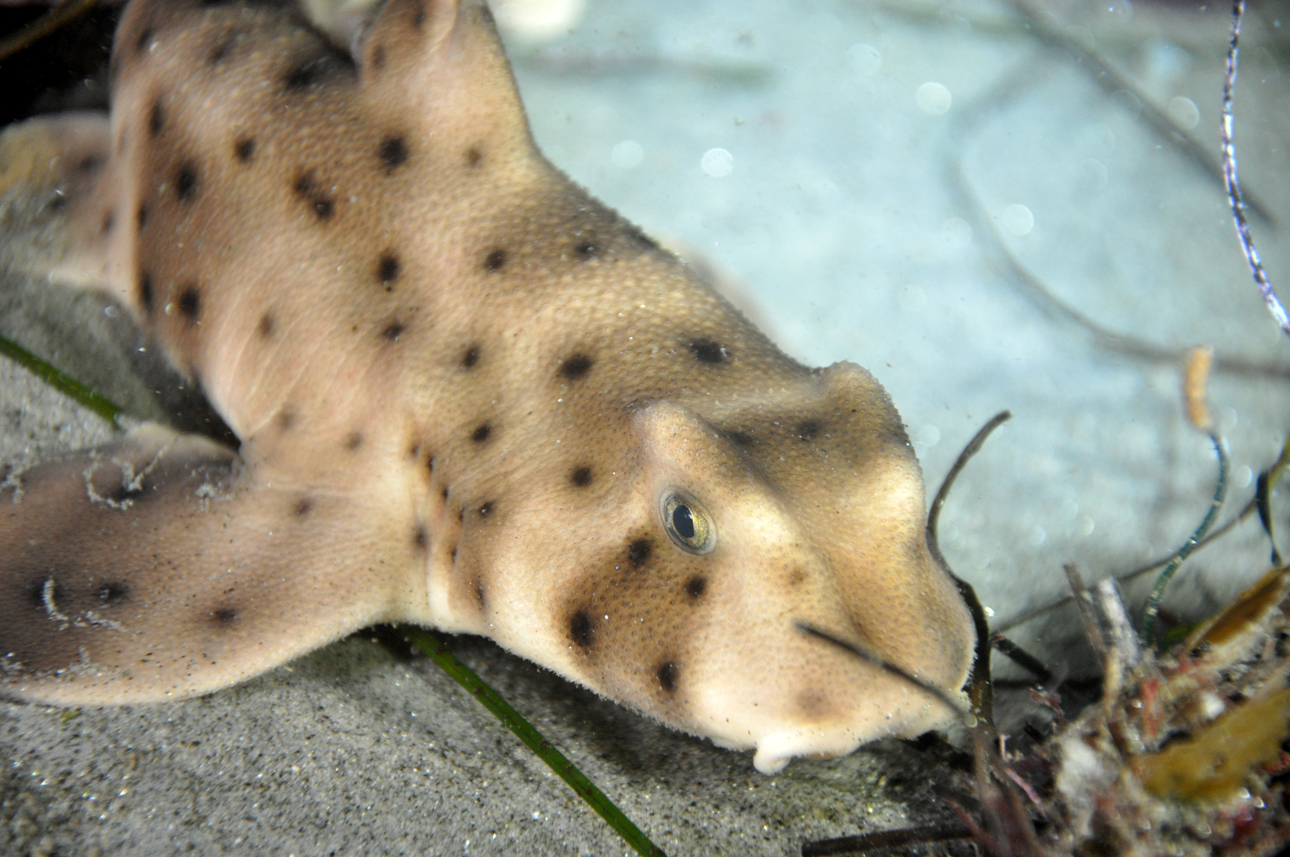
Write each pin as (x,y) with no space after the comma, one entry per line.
(687,522)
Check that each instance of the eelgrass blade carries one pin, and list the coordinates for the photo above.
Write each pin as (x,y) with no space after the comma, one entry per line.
(61,381)
(435,647)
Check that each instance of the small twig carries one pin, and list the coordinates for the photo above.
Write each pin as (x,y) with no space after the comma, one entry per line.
(43,26)
(1021,658)
(1233,183)
(1113,620)
(1084,606)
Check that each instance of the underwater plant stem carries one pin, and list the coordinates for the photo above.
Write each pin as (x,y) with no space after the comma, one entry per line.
(1162,582)
(61,381)
(974,445)
(981,690)
(885,839)
(435,647)
(1233,183)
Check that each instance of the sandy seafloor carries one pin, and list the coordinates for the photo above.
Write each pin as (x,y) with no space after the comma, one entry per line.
(859,221)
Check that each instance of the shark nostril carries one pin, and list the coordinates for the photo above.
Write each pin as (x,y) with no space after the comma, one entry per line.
(667,676)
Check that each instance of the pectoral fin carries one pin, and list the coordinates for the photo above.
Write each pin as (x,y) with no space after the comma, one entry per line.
(162,566)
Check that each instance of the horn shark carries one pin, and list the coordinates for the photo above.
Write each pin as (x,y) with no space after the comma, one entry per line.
(466,394)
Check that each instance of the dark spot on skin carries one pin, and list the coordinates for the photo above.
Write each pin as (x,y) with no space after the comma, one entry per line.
(220,52)
(190,303)
(58,203)
(304,507)
(305,74)
(581,477)
(88,164)
(481,433)
(796,576)
(638,552)
(186,183)
(109,220)
(707,351)
(224,615)
(808,430)
(419,16)
(114,593)
(586,250)
(445,494)
(495,260)
(143,216)
(486,509)
(156,119)
(145,39)
(575,367)
(378,57)
(286,419)
(696,586)
(387,270)
(473,156)
(145,292)
(392,332)
(461,514)
(393,152)
(480,597)
(740,438)
(667,676)
(813,703)
(454,554)
(307,188)
(581,631)
(430,463)
(353,440)
(244,149)
(420,538)
(266,326)
(470,358)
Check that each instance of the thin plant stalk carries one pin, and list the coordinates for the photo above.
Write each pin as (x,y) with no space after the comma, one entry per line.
(1162,582)
(1233,183)
(435,647)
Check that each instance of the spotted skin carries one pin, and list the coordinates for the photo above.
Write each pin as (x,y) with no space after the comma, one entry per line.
(467,395)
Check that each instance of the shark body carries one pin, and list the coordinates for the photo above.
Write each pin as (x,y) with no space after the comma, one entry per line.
(466,395)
